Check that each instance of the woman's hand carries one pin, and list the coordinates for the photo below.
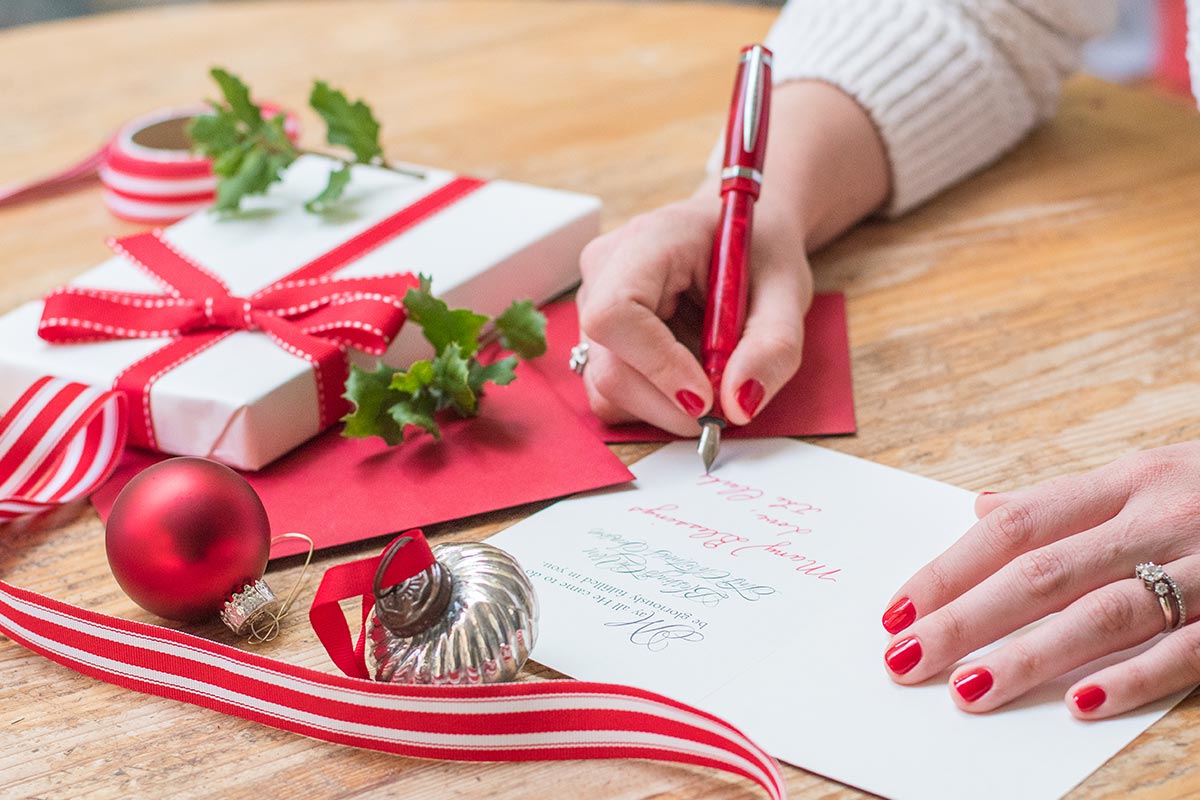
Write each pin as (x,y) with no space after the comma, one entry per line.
(1071,545)
(639,276)
(825,169)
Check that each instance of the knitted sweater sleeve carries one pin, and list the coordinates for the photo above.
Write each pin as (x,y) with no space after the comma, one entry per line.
(950,84)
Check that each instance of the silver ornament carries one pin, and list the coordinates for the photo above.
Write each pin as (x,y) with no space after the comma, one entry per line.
(469,618)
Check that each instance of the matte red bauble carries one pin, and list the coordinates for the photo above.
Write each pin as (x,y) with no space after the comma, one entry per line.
(187,535)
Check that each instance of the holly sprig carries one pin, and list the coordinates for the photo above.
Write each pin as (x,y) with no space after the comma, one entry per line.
(250,150)
(386,401)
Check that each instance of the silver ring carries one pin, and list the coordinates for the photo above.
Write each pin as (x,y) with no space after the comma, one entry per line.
(1166,590)
(579,358)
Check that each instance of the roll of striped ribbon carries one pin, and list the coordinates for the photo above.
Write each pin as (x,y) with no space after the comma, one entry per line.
(149,172)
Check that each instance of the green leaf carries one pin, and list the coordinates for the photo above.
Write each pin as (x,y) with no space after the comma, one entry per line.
(227,164)
(501,373)
(372,396)
(253,176)
(338,179)
(416,411)
(419,375)
(386,401)
(249,153)
(351,125)
(440,325)
(450,373)
(523,329)
(274,134)
(216,133)
(237,95)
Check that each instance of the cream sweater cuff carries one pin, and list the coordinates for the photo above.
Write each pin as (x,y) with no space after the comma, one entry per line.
(949,85)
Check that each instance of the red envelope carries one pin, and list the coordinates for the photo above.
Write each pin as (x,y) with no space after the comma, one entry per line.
(524,446)
(818,401)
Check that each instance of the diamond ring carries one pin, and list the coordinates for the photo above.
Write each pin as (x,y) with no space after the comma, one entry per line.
(579,358)
(1164,588)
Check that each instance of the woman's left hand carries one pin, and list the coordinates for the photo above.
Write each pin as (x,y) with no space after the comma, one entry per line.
(1068,545)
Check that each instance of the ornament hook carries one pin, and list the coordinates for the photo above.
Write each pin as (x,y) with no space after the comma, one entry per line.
(265,627)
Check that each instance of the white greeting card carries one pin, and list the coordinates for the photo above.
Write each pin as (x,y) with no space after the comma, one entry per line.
(756,593)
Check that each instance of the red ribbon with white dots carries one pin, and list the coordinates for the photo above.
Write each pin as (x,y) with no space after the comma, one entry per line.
(307,313)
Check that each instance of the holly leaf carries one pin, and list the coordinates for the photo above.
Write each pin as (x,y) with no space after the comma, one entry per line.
(450,381)
(419,375)
(387,401)
(522,329)
(351,125)
(373,400)
(415,411)
(248,152)
(252,176)
(215,134)
(334,187)
(237,96)
(501,373)
(275,135)
(227,164)
(441,325)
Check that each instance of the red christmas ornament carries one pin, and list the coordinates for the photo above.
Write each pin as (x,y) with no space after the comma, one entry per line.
(187,539)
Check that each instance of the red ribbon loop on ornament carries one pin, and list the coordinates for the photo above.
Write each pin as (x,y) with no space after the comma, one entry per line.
(356,579)
(307,313)
(57,444)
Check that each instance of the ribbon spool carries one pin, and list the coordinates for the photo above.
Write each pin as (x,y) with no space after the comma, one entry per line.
(149,172)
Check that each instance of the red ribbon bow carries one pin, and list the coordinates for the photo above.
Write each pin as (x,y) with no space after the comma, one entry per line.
(364,313)
(308,313)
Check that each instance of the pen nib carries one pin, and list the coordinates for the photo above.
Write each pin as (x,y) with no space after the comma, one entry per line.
(710,441)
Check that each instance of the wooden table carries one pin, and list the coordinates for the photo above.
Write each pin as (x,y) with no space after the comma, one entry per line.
(1041,318)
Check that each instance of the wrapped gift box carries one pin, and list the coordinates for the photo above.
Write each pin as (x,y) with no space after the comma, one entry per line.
(245,400)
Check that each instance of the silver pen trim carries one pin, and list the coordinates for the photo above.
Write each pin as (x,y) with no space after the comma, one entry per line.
(752,110)
(741,172)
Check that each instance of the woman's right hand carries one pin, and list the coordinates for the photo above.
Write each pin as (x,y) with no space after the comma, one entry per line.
(640,276)
(825,169)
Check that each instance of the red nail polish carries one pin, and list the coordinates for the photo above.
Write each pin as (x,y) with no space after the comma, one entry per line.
(903,655)
(749,396)
(690,401)
(1089,698)
(974,684)
(899,616)
(985,494)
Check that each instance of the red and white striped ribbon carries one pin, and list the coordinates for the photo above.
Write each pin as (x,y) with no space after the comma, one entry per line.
(530,721)
(147,178)
(156,181)
(58,443)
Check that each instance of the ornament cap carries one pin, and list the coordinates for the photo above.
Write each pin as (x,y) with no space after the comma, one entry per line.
(416,603)
(245,609)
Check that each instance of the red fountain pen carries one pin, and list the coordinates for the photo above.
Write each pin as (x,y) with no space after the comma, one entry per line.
(729,274)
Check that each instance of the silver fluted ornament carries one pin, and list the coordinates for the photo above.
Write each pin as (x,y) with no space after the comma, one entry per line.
(469,618)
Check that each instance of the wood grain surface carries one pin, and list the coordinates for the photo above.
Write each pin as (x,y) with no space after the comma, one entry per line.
(1041,318)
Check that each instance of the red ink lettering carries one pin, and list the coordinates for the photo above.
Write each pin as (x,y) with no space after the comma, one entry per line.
(804,564)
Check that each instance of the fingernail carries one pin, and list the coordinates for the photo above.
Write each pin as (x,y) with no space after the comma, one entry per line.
(749,396)
(1089,698)
(690,401)
(899,616)
(903,655)
(985,494)
(974,684)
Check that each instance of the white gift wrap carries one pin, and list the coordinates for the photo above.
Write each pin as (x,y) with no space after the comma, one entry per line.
(245,401)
